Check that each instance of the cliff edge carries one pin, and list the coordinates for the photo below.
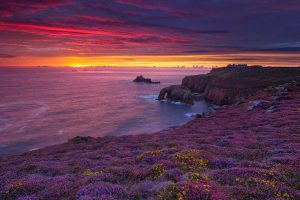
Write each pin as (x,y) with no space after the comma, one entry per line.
(229,85)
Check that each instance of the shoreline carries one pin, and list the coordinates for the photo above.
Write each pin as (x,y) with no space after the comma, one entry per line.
(191,117)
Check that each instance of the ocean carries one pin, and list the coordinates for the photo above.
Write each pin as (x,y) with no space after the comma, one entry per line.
(43,106)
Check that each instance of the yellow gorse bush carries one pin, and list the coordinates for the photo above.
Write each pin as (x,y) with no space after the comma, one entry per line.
(157,170)
(89,172)
(191,163)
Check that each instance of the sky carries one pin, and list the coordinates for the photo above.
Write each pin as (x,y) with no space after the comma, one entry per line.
(162,33)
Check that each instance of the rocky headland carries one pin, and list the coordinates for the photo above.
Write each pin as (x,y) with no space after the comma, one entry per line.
(229,85)
(247,150)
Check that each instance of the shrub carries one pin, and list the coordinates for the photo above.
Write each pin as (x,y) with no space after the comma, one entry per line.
(188,162)
(157,171)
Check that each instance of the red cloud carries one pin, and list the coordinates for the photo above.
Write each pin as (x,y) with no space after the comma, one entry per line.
(11,7)
(58,31)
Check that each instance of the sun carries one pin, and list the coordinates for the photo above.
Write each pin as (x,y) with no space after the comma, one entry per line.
(78,65)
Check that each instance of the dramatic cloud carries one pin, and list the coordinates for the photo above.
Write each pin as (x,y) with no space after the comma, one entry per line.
(6,56)
(11,7)
(70,28)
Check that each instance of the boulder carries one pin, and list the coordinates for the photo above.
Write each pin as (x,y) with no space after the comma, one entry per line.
(177,93)
(81,139)
(141,79)
(259,104)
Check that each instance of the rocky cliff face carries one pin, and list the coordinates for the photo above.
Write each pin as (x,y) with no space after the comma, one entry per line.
(177,93)
(225,86)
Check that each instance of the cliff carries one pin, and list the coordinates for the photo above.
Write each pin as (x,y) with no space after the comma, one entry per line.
(229,85)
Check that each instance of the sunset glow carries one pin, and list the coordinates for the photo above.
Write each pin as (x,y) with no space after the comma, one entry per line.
(143,33)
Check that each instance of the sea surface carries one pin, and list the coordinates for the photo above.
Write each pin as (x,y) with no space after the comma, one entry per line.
(45,105)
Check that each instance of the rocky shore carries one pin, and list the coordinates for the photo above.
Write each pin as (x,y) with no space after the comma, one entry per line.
(228,85)
(247,150)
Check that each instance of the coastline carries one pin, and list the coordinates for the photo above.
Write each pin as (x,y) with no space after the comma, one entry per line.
(236,153)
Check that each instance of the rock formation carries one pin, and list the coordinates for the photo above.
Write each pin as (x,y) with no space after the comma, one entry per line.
(141,79)
(177,93)
(224,86)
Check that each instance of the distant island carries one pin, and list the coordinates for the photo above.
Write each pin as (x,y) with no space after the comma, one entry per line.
(248,148)
(141,79)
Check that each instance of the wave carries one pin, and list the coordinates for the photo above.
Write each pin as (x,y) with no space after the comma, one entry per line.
(60,132)
(191,115)
(42,108)
(33,149)
(153,97)
(148,97)
(36,110)
(174,102)
(4,124)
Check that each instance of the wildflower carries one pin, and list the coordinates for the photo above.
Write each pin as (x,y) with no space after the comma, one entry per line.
(157,171)
(191,163)
(150,153)
(89,172)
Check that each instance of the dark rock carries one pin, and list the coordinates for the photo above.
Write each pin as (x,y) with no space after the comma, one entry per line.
(177,93)
(81,139)
(197,97)
(259,104)
(240,100)
(141,79)
(206,114)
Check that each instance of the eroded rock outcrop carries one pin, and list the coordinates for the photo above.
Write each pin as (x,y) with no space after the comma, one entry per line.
(177,93)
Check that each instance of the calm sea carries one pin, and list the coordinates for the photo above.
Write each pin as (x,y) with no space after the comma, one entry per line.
(45,106)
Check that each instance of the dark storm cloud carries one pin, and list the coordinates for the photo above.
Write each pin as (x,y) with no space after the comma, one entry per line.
(140,27)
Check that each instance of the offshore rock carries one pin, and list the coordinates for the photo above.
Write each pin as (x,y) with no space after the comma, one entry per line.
(141,79)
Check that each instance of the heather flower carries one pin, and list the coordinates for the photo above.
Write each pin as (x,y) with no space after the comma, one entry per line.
(221,163)
(30,197)
(102,177)
(24,187)
(151,156)
(146,189)
(101,189)
(187,191)
(58,187)
(174,174)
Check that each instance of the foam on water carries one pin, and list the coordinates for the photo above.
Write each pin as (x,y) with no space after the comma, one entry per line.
(33,149)
(60,132)
(191,115)
(174,102)
(151,97)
